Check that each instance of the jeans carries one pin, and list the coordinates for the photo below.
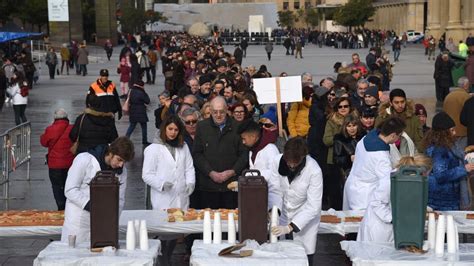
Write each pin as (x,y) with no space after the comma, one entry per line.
(396,54)
(153,74)
(83,69)
(65,62)
(144,131)
(58,182)
(52,70)
(269,56)
(19,111)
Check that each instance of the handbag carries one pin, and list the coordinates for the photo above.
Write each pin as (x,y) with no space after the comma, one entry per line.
(75,145)
(126,104)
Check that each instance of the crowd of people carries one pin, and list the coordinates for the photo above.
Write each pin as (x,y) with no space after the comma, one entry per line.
(343,140)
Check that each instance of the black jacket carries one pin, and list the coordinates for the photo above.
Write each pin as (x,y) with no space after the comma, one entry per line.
(138,101)
(442,73)
(216,150)
(317,122)
(467,119)
(343,149)
(97,128)
(370,60)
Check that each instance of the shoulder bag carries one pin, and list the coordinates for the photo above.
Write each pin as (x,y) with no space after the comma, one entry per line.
(75,145)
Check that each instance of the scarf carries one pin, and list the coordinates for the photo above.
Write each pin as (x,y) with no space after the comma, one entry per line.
(284,170)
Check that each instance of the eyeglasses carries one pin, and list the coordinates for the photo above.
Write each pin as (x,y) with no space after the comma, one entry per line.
(267,125)
(219,112)
(190,122)
(343,106)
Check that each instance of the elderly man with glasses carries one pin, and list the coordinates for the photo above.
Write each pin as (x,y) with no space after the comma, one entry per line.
(219,156)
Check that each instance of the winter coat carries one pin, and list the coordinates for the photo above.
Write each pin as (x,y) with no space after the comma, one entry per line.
(442,73)
(65,55)
(263,163)
(301,201)
(82,56)
(97,128)
(218,150)
(317,121)
(297,120)
(269,48)
(444,179)
(14,92)
(159,167)
(77,191)
(139,100)
(371,164)
(343,149)
(51,58)
(333,127)
(376,226)
(406,148)
(238,54)
(452,105)
(469,68)
(56,139)
(370,60)
(125,72)
(413,129)
(467,119)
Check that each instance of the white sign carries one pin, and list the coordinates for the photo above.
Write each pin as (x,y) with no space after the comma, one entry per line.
(290,90)
(58,10)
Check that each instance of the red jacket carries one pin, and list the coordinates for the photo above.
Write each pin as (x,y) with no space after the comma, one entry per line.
(56,139)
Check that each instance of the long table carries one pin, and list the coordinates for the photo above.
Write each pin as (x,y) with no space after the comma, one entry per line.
(373,254)
(158,224)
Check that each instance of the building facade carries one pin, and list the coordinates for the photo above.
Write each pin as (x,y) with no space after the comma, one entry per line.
(453,17)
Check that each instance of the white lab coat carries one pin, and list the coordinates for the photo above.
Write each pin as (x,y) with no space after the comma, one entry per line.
(77,191)
(367,170)
(377,223)
(263,163)
(301,202)
(159,167)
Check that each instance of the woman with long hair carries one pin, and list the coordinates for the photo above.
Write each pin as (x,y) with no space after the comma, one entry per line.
(168,169)
(332,179)
(448,167)
(19,98)
(345,143)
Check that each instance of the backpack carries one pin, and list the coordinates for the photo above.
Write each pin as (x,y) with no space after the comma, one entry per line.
(24,89)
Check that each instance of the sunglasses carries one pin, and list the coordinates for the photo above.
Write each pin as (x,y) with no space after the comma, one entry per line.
(267,125)
(332,94)
(190,122)
(343,106)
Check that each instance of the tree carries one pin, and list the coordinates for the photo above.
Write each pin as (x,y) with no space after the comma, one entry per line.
(34,12)
(134,20)
(355,13)
(8,8)
(286,18)
(311,17)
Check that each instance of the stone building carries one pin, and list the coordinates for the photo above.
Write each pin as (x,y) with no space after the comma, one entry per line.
(399,15)
(453,17)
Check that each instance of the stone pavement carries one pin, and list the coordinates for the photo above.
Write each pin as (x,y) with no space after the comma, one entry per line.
(413,73)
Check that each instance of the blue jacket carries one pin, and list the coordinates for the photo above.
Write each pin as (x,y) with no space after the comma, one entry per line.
(444,179)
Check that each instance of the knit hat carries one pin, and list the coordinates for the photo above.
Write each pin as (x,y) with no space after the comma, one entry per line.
(204,79)
(372,91)
(104,73)
(442,121)
(221,63)
(271,114)
(60,113)
(420,109)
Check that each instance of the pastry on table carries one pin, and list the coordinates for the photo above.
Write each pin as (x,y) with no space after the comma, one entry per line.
(353,219)
(330,219)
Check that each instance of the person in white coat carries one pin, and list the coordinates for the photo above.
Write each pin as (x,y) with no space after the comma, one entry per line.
(168,169)
(377,223)
(301,189)
(371,164)
(83,170)
(19,101)
(261,155)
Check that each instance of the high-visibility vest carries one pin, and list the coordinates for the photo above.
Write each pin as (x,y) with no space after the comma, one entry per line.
(100,91)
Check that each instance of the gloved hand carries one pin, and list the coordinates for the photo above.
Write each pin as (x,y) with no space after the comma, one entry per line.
(167,186)
(189,189)
(281,230)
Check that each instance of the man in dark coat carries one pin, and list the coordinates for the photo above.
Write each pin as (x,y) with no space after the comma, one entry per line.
(244,44)
(139,99)
(108,96)
(219,156)
(467,119)
(238,54)
(442,76)
(287,44)
(371,59)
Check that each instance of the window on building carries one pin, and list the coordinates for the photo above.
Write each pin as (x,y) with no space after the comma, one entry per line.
(307,4)
(296,5)
(286,5)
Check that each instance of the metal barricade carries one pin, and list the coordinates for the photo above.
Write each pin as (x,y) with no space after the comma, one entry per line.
(15,152)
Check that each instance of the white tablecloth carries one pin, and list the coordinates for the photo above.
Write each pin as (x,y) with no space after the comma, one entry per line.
(277,254)
(372,254)
(59,254)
